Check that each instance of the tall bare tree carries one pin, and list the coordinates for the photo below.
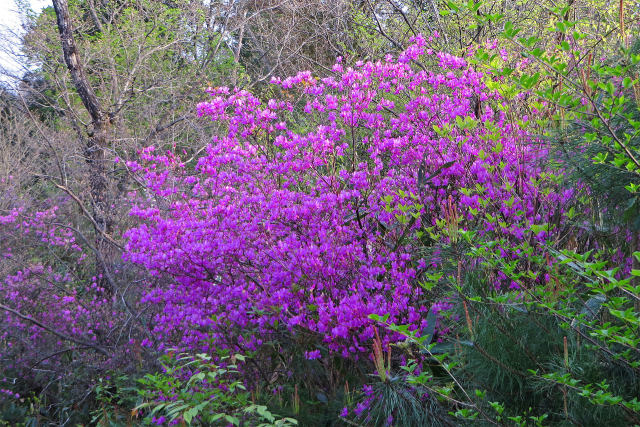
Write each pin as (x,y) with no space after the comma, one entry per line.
(100,119)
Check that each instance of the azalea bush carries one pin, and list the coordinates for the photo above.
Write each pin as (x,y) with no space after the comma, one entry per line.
(424,239)
(61,326)
(303,216)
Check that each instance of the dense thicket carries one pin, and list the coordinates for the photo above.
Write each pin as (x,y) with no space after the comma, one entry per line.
(377,212)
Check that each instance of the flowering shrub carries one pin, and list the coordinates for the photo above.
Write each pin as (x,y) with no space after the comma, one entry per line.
(304,213)
(45,314)
(57,324)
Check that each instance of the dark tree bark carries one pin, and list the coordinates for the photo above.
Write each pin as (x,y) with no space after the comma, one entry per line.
(96,135)
(72,60)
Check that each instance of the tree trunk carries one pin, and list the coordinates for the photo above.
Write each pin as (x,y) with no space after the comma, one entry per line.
(96,136)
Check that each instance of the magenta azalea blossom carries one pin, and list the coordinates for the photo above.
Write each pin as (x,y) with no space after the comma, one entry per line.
(305,219)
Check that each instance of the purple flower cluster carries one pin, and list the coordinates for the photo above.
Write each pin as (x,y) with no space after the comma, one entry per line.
(302,214)
(46,310)
(9,394)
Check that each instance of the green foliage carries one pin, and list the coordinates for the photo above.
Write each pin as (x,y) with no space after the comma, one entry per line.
(197,390)
(115,397)
(565,353)
(400,403)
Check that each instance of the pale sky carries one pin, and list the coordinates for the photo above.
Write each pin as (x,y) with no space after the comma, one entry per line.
(10,23)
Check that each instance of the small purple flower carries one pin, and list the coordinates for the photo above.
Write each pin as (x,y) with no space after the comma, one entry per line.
(159,420)
(368,390)
(312,355)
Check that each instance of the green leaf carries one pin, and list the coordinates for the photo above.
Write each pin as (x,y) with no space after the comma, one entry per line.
(189,415)
(430,329)
(233,420)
